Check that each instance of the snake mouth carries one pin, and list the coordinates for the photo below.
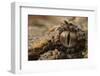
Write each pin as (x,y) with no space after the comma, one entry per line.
(68,39)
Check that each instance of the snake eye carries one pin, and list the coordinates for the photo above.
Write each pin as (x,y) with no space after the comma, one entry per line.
(68,39)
